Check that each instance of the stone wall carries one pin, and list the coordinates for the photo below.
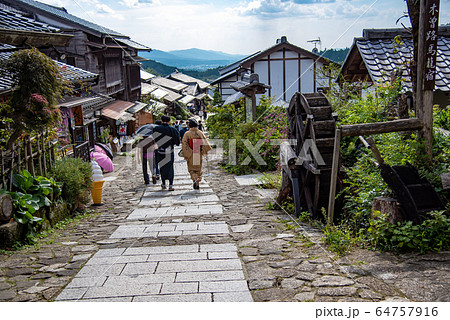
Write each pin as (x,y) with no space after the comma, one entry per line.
(13,232)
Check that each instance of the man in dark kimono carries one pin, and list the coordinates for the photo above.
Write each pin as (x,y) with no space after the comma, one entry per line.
(166,137)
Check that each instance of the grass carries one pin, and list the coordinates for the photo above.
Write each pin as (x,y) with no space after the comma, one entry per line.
(49,236)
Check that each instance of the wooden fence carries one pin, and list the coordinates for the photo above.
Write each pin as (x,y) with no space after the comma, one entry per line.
(37,155)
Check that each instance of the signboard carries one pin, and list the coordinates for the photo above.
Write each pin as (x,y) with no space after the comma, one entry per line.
(78,115)
(431,39)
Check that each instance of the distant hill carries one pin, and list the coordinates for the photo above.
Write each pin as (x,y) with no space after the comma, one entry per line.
(336,55)
(160,69)
(193,59)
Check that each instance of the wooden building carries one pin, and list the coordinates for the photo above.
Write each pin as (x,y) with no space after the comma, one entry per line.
(286,68)
(196,93)
(375,57)
(108,53)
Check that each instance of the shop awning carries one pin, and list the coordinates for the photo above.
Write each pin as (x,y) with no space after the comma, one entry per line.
(137,107)
(117,110)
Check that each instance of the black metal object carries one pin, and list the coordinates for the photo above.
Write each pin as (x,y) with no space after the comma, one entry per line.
(415,194)
(82,151)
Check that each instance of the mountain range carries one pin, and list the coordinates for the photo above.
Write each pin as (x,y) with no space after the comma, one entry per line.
(194,59)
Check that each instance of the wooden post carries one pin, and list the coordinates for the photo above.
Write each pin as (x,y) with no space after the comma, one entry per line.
(334,174)
(248,109)
(44,157)
(376,152)
(3,169)
(420,62)
(426,67)
(39,154)
(30,156)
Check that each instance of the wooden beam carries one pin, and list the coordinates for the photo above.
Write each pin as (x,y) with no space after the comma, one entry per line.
(334,174)
(381,127)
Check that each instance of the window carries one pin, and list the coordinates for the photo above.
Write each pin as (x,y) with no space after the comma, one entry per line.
(113,72)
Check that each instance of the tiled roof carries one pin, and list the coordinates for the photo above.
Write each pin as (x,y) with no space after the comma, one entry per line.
(191,89)
(133,44)
(169,84)
(68,72)
(146,75)
(381,59)
(187,99)
(138,106)
(64,15)
(179,76)
(73,74)
(92,100)
(12,19)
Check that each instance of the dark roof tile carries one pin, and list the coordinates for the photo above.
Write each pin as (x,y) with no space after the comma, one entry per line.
(382,57)
(12,19)
(63,14)
(68,72)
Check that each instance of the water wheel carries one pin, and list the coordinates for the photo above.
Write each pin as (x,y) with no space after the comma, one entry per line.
(312,126)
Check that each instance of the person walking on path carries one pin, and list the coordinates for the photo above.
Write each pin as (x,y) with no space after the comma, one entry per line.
(148,147)
(200,126)
(183,130)
(166,137)
(195,146)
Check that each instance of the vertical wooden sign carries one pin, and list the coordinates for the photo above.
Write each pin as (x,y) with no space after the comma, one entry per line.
(78,115)
(431,39)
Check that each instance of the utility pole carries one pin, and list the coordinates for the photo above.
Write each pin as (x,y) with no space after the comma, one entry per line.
(426,67)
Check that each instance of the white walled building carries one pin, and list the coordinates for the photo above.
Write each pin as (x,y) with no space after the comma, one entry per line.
(285,67)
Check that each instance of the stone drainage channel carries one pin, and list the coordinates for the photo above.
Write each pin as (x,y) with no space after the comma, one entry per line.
(200,262)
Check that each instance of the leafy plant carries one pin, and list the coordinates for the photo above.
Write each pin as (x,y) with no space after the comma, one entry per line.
(338,239)
(29,195)
(75,174)
(433,235)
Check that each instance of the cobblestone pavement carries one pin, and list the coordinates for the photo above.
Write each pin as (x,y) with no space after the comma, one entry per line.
(219,244)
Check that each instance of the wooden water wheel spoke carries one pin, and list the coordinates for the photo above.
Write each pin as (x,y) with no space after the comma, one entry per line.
(310,118)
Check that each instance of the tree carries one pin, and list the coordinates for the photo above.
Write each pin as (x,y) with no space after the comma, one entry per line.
(36,86)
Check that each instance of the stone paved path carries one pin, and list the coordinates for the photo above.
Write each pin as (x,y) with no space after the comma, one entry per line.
(261,255)
(201,271)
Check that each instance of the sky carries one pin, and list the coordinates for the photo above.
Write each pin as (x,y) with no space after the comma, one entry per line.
(242,26)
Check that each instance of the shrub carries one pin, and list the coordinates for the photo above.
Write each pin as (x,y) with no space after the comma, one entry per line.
(227,123)
(432,235)
(75,174)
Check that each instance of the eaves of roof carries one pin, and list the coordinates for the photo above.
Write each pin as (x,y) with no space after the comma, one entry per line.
(283,45)
(61,14)
(235,65)
(34,38)
(225,76)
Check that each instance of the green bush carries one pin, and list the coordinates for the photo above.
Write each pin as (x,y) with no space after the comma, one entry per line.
(75,174)
(228,123)
(433,235)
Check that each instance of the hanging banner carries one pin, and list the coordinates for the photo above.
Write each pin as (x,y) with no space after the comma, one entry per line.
(431,39)
(123,129)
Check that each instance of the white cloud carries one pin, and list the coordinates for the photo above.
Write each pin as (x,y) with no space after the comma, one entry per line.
(325,9)
(103,8)
(139,3)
